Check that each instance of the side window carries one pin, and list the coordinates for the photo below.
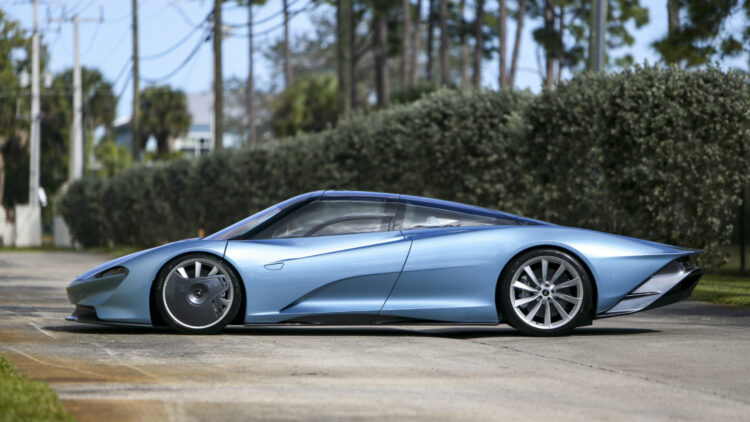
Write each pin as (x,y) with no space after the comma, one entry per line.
(352,225)
(333,217)
(423,217)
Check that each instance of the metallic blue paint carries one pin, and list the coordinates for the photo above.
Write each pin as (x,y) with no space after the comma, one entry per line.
(439,274)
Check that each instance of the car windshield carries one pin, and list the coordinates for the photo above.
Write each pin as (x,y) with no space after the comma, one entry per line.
(244,226)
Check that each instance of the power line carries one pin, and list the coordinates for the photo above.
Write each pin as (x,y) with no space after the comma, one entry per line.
(267,31)
(115,48)
(263,20)
(183,15)
(173,47)
(204,37)
(93,39)
(125,67)
(124,87)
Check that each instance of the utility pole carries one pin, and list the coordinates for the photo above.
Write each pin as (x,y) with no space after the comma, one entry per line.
(343,47)
(29,217)
(287,53)
(75,162)
(135,119)
(251,77)
(743,211)
(218,79)
(35,123)
(598,29)
(75,157)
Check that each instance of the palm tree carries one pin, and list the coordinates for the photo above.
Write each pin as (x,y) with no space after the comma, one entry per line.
(164,114)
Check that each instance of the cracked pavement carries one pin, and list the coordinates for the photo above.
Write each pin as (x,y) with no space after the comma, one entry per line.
(689,361)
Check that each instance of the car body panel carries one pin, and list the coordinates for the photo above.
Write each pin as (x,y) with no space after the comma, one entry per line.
(441,274)
(319,275)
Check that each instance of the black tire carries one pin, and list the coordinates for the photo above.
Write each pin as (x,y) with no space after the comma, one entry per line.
(548,296)
(199,306)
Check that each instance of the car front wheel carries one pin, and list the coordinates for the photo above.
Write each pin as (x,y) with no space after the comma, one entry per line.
(197,294)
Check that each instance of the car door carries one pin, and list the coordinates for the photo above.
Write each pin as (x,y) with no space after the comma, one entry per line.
(452,268)
(333,260)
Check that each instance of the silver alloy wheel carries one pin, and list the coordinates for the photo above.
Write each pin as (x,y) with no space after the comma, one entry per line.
(546,292)
(197,293)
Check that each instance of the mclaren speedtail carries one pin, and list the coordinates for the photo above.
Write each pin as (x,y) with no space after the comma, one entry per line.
(333,257)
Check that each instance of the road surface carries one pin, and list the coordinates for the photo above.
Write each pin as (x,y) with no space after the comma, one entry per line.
(690,361)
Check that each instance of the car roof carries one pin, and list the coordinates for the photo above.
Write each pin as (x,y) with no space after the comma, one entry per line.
(419,200)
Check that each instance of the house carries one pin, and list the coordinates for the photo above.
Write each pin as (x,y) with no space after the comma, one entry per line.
(199,138)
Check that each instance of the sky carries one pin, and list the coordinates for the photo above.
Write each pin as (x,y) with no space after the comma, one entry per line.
(107,45)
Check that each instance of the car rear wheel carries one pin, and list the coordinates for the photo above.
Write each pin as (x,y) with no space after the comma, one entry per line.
(545,292)
(197,294)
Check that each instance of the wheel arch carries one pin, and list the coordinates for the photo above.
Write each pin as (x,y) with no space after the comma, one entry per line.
(155,316)
(559,248)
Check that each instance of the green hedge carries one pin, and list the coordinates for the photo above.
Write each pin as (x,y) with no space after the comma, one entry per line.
(650,152)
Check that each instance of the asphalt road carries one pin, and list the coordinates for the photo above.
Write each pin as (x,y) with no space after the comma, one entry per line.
(690,361)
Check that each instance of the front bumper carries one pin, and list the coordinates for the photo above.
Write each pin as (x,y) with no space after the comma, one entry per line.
(93,291)
(87,315)
(673,283)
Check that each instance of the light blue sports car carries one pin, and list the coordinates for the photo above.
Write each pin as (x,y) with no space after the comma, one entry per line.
(333,257)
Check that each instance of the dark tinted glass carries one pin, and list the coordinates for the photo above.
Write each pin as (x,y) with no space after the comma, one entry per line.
(425,217)
(353,225)
(330,217)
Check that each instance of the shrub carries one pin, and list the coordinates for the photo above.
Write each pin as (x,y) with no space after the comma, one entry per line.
(649,152)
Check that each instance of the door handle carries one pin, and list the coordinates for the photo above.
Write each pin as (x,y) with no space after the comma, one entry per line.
(274,266)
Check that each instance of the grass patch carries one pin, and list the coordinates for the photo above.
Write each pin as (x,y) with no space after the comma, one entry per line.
(22,399)
(724,289)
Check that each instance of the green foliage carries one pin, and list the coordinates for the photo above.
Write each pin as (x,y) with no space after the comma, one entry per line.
(650,153)
(113,158)
(99,105)
(165,115)
(13,145)
(706,32)
(573,45)
(413,92)
(22,399)
(309,105)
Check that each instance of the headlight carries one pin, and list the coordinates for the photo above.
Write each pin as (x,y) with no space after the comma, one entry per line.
(113,271)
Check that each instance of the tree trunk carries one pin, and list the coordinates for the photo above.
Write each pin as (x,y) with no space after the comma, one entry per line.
(417,43)
(162,146)
(673,19)
(517,42)
(381,57)
(2,175)
(344,50)
(464,46)
(218,79)
(444,69)
(549,25)
(478,35)
(561,46)
(502,29)
(250,77)
(405,41)
(673,15)
(354,68)
(287,53)
(430,37)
